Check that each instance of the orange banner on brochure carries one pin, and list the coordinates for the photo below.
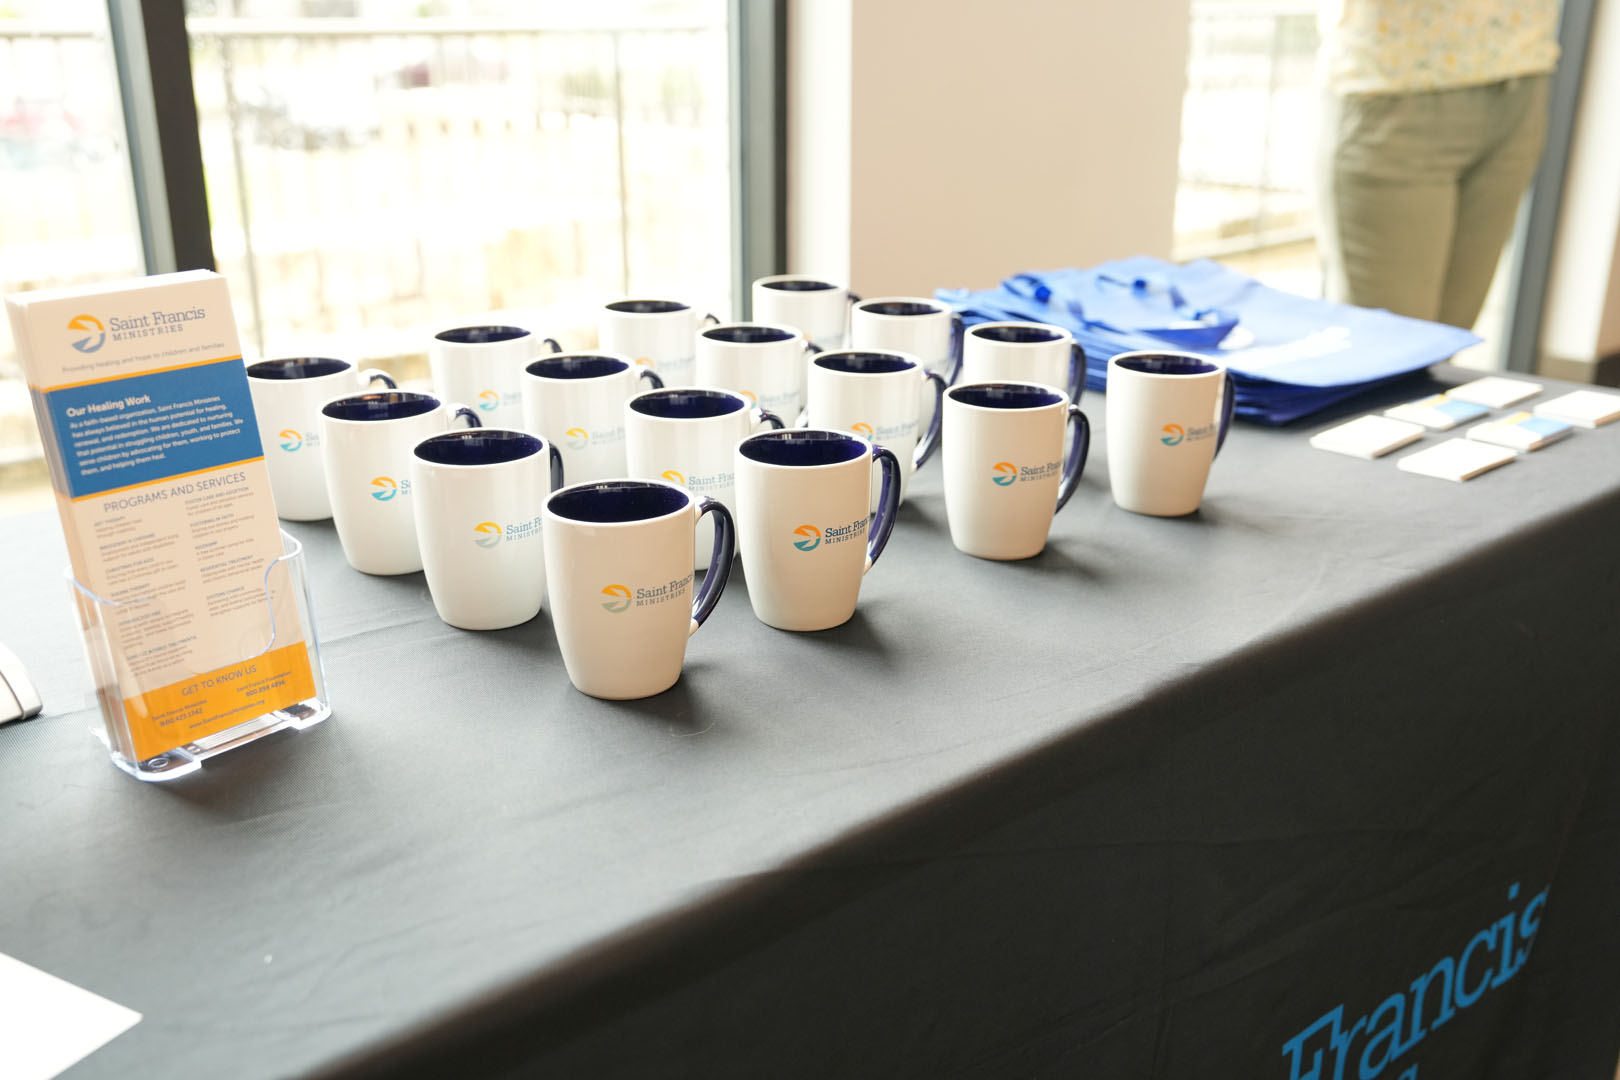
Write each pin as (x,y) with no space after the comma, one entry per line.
(200,706)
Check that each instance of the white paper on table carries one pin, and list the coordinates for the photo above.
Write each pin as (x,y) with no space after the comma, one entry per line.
(48,1024)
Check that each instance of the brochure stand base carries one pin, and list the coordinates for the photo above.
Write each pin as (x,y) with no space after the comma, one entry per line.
(284,578)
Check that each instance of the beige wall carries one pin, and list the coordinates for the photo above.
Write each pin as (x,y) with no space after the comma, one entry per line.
(978,139)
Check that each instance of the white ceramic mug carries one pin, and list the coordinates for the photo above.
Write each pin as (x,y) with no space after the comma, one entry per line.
(802,525)
(818,309)
(619,558)
(874,394)
(914,325)
(1168,414)
(686,435)
(368,442)
(1006,471)
(477,497)
(287,399)
(483,366)
(1024,352)
(765,364)
(576,400)
(659,333)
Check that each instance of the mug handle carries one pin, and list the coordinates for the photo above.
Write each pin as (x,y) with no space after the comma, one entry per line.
(1079,449)
(854,297)
(759,416)
(930,439)
(555,348)
(1229,390)
(652,376)
(710,319)
(1077,372)
(459,411)
(888,504)
(556,466)
(378,375)
(957,330)
(725,546)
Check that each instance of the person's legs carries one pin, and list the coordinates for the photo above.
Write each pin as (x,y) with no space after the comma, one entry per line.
(1488,196)
(1387,174)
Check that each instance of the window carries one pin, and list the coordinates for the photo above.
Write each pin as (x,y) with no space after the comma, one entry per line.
(379,169)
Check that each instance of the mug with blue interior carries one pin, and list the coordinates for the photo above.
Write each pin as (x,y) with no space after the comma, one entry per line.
(477,497)
(483,366)
(1168,415)
(368,439)
(803,526)
(654,332)
(882,397)
(685,435)
(1008,466)
(619,557)
(288,393)
(576,400)
(924,328)
(1024,352)
(818,307)
(765,363)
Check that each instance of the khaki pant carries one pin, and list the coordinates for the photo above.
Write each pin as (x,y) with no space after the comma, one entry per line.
(1418,192)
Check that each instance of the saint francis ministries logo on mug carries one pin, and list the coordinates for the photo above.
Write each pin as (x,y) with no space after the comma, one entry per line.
(489,534)
(290,440)
(386,487)
(578,438)
(1005,473)
(488,400)
(622,598)
(810,537)
(1175,434)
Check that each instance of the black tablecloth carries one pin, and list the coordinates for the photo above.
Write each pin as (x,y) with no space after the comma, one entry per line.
(1153,804)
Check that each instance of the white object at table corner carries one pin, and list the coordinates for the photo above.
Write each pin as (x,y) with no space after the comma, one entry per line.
(47,1024)
(659,333)
(1456,460)
(1368,437)
(288,412)
(478,525)
(482,365)
(929,333)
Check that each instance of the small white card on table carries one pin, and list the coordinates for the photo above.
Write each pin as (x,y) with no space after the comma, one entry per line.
(1587,408)
(1520,431)
(48,1024)
(1494,392)
(1367,436)
(1456,459)
(1436,411)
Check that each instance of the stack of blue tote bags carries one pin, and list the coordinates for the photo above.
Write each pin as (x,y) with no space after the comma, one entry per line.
(1290,356)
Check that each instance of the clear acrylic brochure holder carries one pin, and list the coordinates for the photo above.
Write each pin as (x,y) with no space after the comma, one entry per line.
(283,577)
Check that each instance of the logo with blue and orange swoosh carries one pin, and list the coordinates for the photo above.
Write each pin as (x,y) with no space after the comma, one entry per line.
(863,430)
(812,538)
(488,400)
(95,333)
(1173,434)
(578,438)
(489,534)
(1005,473)
(384,488)
(290,439)
(620,601)
(674,477)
